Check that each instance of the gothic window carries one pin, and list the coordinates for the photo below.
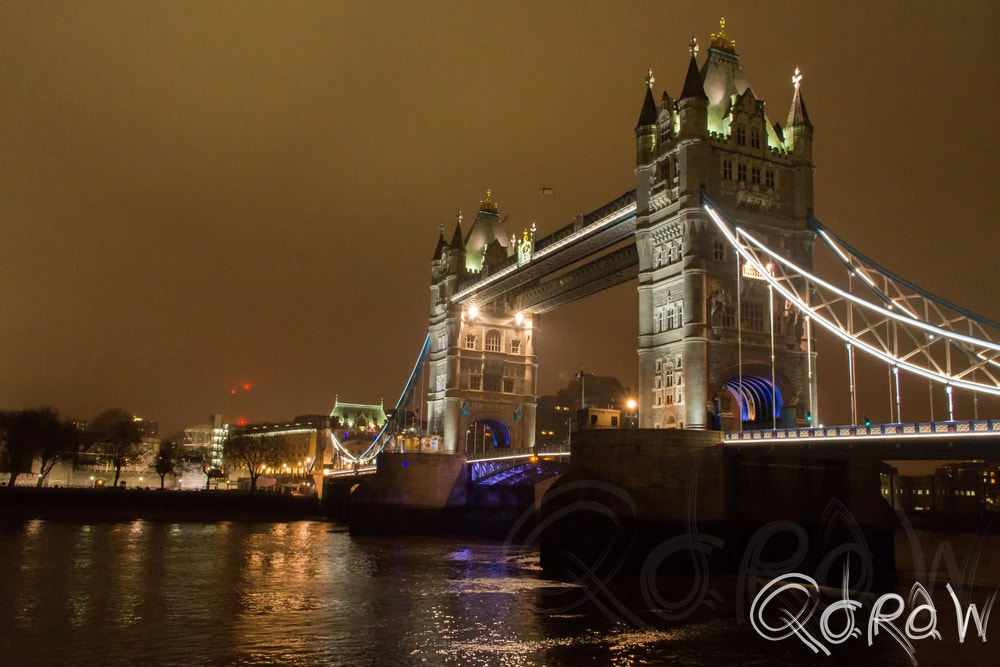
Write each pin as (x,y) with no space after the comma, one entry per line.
(680,313)
(752,315)
(493,341)
(665,171)
(515,346)
(741,135)
(719,250)
(659,398)
(671,317)
(729,316)
(658,383)
(669,378)
(741,173)
(508,385)
(769,179)
(670,399)
(470,341)
(727,170)
(680,249)
(476,378)
(755,175)
(441,380)
(755,138)
(659,365)
(672,257)
(679,362)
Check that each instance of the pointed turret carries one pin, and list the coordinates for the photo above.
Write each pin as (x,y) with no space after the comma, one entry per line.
(797,115)
(645,129)
(693,103)
(441,245)
(693,87)
(456,238)
(798,129)
(647,116)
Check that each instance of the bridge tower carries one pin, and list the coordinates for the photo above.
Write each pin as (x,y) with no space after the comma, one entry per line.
(481,366)
(708,330)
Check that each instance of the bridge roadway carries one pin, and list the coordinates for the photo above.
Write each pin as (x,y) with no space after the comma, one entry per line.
(930,441)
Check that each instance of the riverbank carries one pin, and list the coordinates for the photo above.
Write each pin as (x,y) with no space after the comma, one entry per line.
(156,505)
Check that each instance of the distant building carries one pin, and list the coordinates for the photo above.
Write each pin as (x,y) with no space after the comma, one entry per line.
(969,487)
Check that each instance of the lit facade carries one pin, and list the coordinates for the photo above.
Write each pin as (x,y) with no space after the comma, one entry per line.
(481,365)
(707,328)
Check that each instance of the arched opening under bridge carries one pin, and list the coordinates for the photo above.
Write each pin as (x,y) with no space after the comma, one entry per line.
(485,438)
(758,401)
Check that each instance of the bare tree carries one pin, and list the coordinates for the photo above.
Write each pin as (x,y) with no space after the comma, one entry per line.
(16,446)
(256,453)
(166,459)
(116,435)
(58,441)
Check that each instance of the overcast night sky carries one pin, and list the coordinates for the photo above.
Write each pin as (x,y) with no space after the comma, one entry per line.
(198,195)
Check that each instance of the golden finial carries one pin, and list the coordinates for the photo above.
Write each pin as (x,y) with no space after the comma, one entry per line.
(797,78)
(488,205)
(693,46)
(650,79)
(721,41)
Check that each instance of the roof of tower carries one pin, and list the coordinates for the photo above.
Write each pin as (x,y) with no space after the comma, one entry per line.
(797,115)
(456,237)
(439,250)
(723,78)
(647,116)
(721,41)
(486,228)
(692,81)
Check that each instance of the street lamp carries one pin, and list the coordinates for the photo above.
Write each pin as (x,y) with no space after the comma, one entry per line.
(633,412)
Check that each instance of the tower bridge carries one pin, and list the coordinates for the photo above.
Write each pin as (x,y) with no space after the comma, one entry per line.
(719,235)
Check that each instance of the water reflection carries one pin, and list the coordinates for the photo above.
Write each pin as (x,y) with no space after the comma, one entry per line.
(307,593)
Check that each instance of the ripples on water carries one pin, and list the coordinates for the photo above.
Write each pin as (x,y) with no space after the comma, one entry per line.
(307,593)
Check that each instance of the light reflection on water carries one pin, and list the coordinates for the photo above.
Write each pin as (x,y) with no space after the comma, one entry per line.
(307,593)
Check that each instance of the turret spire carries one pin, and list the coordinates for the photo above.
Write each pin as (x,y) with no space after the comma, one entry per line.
(797,115)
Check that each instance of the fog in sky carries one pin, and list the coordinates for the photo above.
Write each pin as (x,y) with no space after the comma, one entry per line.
(197,195)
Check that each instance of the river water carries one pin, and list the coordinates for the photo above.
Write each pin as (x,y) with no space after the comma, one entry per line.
(308,593)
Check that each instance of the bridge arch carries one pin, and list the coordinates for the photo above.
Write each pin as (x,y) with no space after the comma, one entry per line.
(486,435)
(750,400)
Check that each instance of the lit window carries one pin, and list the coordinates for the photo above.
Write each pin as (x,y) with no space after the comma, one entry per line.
(492,340)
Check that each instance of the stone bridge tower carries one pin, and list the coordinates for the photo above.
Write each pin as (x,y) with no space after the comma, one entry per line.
(481,366)
(707,328)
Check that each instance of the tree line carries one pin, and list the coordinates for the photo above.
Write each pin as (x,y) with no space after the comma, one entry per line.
(115,437)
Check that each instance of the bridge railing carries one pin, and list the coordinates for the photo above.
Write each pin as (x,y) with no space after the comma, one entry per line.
(897,430)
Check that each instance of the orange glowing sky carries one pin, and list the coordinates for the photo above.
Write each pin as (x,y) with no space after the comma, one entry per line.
(198,195)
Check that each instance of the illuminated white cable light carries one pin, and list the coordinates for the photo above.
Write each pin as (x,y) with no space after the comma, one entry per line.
(930,328)
(838,331)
